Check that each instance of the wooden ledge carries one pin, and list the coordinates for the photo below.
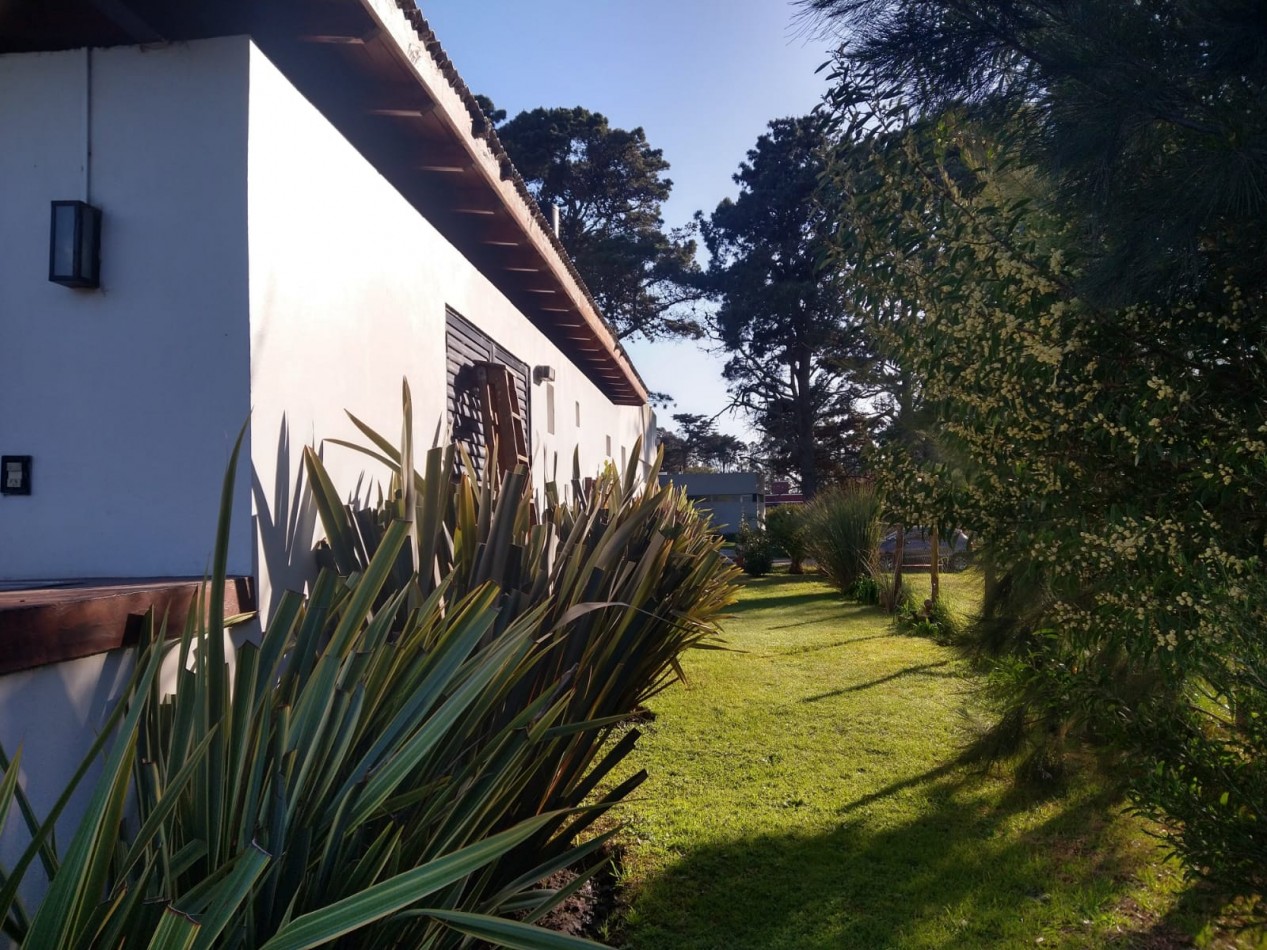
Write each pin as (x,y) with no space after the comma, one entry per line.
(51,624)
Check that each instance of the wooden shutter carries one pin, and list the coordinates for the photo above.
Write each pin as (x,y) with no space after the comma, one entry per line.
(465,347)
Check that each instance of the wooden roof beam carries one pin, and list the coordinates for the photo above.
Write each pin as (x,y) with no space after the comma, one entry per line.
(404,103)
(336,24)
(445,161)
(476,202)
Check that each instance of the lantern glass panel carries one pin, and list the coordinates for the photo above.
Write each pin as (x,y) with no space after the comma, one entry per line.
(63,242)
(89,244)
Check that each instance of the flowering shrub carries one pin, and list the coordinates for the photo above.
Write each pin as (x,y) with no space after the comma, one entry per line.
(1111,460)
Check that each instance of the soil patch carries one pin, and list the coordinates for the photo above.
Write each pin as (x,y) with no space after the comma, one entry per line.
(594,910)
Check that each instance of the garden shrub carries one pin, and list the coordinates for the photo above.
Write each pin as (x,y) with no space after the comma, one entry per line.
(842,529)
(1098,420)
(410,749)
(1210,754)
(865,590)
(785,527)
(758,560)
(892,594)
(935,619)
(755,550)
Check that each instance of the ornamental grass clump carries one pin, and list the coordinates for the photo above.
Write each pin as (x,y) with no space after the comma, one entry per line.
(842,530)
(408,751)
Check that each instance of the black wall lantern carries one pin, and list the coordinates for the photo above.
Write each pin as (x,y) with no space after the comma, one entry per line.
(74,253)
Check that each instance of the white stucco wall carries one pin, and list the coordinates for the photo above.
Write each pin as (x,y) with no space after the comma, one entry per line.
(51,714)
(348,290)
(129,397)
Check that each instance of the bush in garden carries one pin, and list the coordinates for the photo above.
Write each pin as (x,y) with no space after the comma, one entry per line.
(1210,754)
(410,749)
(934,620)
(842,529)
(865,590)
(755,550)
(758,559)
(785,527)
(1112,466)
(893,594)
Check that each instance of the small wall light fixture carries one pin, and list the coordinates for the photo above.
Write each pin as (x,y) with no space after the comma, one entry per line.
(74,252)
(15,475)
(543,374)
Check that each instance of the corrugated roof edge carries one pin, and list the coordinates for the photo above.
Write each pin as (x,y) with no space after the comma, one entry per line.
(441,59)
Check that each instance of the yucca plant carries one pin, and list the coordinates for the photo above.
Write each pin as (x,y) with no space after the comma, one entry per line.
(345,771)
(622,577)
(408,751)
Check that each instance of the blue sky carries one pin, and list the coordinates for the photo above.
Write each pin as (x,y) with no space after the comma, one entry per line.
(702,77)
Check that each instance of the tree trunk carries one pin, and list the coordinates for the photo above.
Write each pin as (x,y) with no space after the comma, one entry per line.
(934,572)
(806,462)
(899,551)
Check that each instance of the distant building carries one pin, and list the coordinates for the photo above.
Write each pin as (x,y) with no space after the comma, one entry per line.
(729,497)
(781,494)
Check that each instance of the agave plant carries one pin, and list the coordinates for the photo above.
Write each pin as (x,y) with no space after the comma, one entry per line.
(408,751)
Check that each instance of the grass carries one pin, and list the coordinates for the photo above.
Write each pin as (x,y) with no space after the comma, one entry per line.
(806,793)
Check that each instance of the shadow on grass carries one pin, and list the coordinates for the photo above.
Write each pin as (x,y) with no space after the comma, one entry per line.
(778,602)
(797,651)
(1201,906)
(807,622)
(955,876)
(895,787)
(923,669)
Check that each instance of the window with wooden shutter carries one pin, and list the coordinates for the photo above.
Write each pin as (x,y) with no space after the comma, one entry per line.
(487,388)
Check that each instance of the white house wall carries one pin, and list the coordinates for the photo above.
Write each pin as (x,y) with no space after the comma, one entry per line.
(349,286)
(52,715)
(129,397)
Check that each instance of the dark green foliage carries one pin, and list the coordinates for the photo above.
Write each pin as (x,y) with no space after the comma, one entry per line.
(934,619)
(700,447)
(609,185)
(784,322)
(1065,203)
(758,560)
(755,550)
(842,529)
(1149,117)
(785,526)
(674,451)
(1210,768)
(865,590)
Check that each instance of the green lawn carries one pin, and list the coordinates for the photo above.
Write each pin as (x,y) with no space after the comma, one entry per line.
(804,793)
